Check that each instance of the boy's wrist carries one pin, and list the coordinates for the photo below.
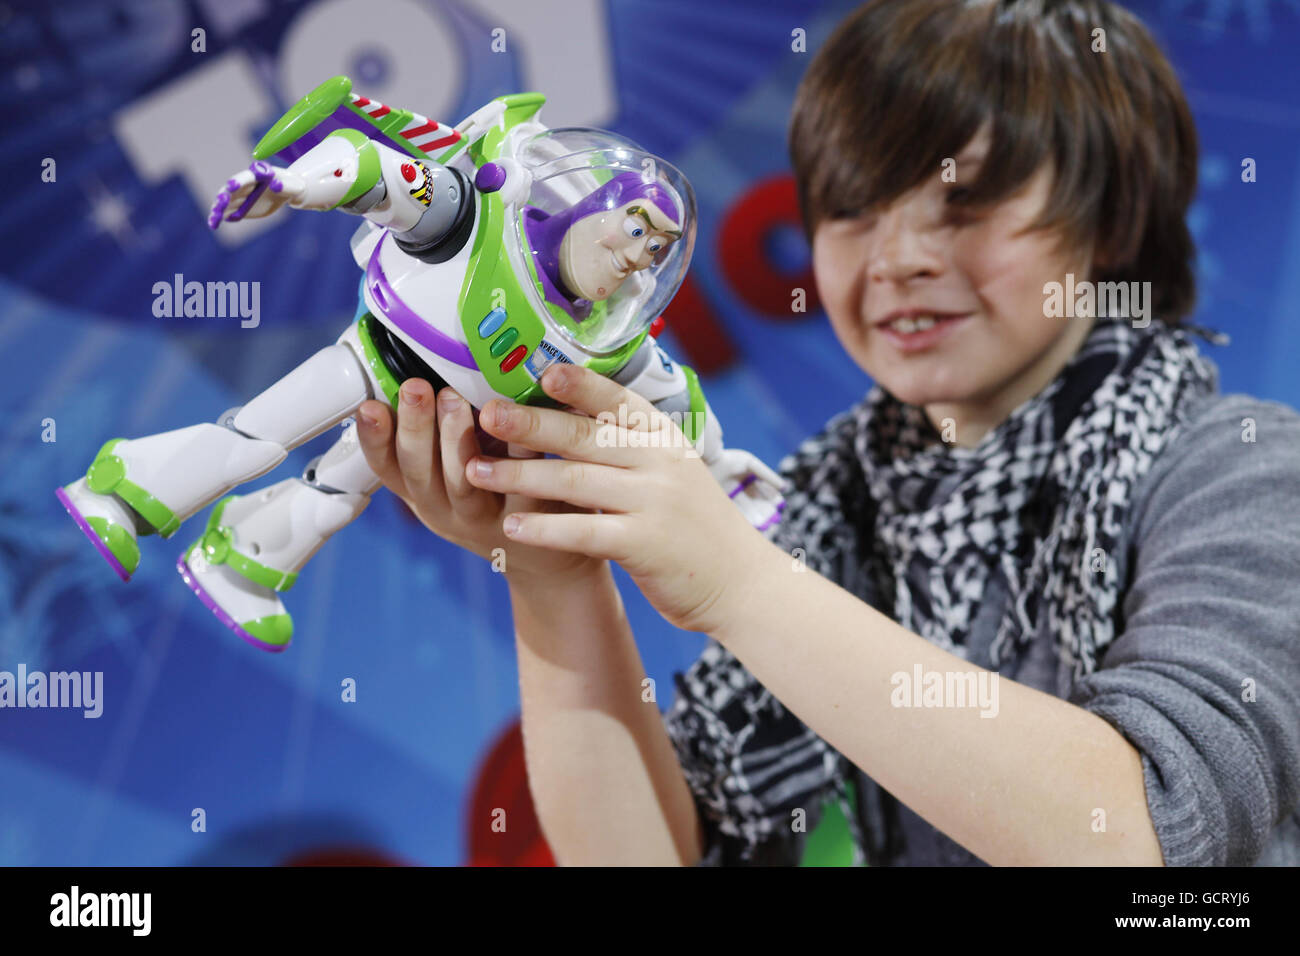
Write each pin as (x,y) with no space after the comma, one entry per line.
(560,615)
(757,585)
(525,583)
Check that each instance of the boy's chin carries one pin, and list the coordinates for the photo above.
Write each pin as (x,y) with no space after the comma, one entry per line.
(927,390)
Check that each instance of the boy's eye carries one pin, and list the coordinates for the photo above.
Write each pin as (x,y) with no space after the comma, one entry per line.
(852,219)
(958,209)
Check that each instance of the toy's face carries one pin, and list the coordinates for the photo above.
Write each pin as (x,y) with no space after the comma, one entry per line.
(601,250)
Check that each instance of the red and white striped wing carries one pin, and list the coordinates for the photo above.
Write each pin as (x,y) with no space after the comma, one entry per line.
(424,134)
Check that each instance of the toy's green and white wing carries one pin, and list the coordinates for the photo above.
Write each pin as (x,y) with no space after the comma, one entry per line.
(333,106)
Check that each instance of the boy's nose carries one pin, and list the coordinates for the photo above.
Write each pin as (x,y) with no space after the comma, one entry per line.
(901,247)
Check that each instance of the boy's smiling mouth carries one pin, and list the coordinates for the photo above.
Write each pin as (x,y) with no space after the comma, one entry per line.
(916,329)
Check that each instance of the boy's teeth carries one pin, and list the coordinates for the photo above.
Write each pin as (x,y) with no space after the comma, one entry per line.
(918,324)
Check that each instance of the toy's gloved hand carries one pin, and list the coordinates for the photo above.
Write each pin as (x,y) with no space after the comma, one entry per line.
(754,487)
(257,191)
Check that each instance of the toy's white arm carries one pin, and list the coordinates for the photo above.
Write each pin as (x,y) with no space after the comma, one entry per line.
(419,200)
(674,390)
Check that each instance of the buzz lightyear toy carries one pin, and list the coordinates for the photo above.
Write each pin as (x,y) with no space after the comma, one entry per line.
(490,251)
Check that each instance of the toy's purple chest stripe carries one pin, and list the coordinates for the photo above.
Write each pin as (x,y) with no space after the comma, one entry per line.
(405,319)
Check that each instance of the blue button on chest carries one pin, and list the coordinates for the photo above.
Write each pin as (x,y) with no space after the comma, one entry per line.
(491,322)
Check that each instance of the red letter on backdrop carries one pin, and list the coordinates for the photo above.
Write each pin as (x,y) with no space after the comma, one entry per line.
(705,345)
(767,205)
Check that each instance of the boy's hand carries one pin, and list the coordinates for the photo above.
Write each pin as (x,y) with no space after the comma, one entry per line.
(662,516)
(423,461)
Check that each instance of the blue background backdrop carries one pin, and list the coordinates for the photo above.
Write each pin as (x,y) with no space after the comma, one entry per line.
(192,716)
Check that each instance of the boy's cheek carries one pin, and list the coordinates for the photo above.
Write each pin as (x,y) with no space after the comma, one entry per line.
(834,275)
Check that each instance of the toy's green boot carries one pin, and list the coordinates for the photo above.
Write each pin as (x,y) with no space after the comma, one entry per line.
(113,511)
(242,592)
(107,521)
(256,544)
(150,485)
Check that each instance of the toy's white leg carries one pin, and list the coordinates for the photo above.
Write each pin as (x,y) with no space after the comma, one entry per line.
(257,543)
(153,484)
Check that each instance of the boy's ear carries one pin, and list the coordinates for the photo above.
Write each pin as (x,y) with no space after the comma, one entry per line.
(1096,255)
(1103,254)
(1092,254)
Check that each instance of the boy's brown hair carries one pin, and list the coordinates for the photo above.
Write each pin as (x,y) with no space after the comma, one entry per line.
(903,84)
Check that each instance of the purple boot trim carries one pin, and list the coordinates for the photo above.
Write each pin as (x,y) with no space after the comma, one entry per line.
(215,608)
(89,532)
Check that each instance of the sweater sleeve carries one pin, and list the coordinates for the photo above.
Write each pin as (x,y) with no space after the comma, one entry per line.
(1204,678)
(759,776)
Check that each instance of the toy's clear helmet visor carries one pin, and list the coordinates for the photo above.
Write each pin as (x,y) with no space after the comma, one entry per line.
(606,232)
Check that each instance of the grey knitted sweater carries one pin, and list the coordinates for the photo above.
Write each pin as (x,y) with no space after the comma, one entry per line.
(1203,678)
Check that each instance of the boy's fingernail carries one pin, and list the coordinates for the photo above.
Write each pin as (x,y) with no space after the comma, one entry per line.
(558,375)
(501,416)
(511,524)
(368,420)
(482,468)
(450,400)
(409,397)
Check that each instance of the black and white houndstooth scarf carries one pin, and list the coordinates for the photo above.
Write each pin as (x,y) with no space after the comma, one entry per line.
(1041,501)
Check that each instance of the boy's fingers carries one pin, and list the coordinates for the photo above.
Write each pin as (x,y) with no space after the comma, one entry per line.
(602,422)
(375,435)
(517,502)
(597,536)
(594,394)
(518,451)
(579,483)
(458,445)
(416,441)
(572,434)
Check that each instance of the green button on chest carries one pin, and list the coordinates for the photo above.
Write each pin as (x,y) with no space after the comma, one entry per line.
(502,342)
